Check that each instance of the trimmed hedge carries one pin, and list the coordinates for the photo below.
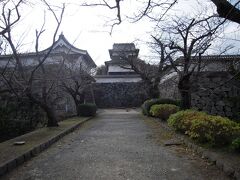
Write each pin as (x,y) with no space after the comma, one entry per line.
(163,111)
(204,128)
(182,120)
(216,130)
(87,109)
(146,106)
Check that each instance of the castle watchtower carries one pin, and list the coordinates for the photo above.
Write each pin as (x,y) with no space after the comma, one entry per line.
(120,55)
(121,86)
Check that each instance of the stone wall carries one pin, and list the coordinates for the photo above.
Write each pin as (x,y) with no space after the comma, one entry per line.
(213,92)
(169,89)
(65,106)
(122,94)
(217,94)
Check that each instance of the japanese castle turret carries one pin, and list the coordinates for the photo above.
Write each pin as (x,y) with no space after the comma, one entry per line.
(120,86)
(118,68)
(120,54)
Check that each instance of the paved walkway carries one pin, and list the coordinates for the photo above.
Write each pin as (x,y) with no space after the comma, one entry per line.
(116,145)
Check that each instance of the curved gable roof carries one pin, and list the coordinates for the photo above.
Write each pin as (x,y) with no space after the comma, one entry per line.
(62,45)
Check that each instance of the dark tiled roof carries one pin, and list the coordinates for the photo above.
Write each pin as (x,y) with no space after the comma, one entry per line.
(118,76)
(43,52)
(217,58)
(116,62)
(123,47)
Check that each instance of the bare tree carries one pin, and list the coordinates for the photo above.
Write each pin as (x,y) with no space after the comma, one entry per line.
(147,8)
(10,15)
(23,78)
(76,82)
(150,73)
(227,9)
(190,38)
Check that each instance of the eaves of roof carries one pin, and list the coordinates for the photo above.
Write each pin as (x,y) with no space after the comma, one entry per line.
(73,51)
(216,58)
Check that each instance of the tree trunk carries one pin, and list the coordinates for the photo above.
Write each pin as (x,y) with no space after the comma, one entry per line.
(228,10)
(185,91)
(185,99)
(77,109)
(81,98)
(52,119)
(78,99)
(153,90)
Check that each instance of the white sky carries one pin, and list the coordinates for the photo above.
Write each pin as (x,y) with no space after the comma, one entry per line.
(86,27)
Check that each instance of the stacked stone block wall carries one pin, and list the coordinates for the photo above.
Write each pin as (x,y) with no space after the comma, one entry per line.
(214,92)
(169,89)
(121,94)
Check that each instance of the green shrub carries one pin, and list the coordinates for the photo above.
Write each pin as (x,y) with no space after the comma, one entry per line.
(87,109)
(181,121)
(163,111)
(204,128)
(148,103)
(215,130)
(236,144)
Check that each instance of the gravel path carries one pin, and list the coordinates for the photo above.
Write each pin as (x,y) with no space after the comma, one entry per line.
(116,145)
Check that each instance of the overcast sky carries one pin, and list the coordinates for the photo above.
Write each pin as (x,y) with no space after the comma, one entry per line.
(88,28)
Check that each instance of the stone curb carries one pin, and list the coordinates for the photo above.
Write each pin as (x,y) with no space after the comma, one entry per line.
(227,168)
(20,159)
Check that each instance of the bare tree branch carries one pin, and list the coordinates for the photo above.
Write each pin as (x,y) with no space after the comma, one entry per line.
(8,22)
(24,77)
(227,10)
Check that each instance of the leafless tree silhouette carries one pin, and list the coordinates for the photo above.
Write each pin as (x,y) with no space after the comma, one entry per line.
(21,79)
